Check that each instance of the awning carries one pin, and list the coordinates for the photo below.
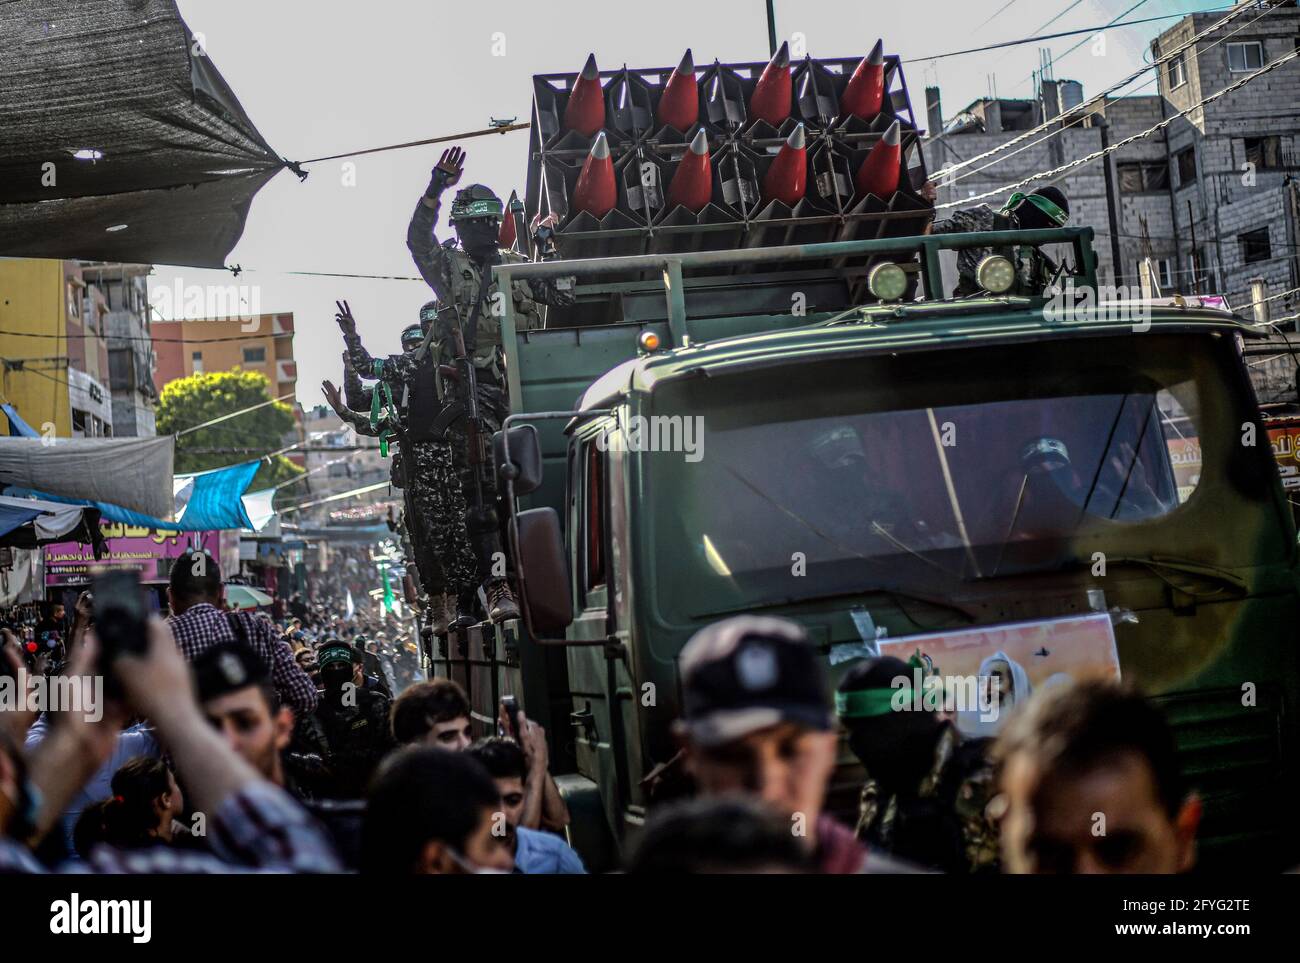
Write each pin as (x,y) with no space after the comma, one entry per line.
(135,473)
(122,141)
(17,427)
(214,499)
(29,523)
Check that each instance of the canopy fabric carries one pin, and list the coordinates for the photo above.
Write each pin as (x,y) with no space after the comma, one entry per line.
(259,507)
(169,162)
(107,511)
(28,523)
(17,427)
(135,473)
(216,499)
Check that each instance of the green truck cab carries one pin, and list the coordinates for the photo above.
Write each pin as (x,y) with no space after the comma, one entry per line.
(916,467)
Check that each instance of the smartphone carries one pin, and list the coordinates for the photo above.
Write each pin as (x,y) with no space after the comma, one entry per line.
(121,616)
(511,705)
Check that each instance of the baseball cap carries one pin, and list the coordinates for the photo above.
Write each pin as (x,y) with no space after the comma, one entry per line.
(749,673)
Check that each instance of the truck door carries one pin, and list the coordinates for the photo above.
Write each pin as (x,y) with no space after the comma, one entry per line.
(598,676)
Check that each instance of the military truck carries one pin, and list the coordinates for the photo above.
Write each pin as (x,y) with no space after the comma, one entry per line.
(817,431)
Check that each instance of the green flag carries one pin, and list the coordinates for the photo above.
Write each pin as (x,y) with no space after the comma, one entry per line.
(388,591)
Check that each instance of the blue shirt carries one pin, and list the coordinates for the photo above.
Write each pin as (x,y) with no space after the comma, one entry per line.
(539,852)
(138,740)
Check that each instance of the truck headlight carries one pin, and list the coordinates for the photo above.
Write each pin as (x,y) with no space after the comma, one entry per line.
(995,274)
(887,281)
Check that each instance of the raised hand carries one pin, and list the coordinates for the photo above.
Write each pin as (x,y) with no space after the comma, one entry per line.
(344,318)
(332,395)
(447,171)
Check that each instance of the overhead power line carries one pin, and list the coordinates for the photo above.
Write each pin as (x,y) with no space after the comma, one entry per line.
(1097,155)
(1062,128)
(1079,108)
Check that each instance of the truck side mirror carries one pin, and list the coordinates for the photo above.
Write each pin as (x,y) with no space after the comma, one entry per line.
(544,569)
(525,456)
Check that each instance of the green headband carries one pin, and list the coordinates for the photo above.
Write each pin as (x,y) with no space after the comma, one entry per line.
(866,703)
(484,207)
(1039,201)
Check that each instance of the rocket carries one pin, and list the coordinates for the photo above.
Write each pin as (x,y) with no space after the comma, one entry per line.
(585,111)
(770,100)
(865,92)
(787,179)
(692,184)
(879,171)
(596,192)
(679,106)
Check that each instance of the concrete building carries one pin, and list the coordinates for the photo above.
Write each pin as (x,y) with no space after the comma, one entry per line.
(261,342)
(339,460)
(1213,199)
(121,296)
(57,370)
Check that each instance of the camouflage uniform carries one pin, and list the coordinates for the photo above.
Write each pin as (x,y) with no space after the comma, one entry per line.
(428,474)
(456,278)
(944,825)
(974,220)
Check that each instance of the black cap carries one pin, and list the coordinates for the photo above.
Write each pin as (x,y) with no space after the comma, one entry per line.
(227,667)
(750,673)
(332,652)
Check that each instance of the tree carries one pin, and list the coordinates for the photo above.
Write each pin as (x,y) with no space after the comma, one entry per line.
(187,402)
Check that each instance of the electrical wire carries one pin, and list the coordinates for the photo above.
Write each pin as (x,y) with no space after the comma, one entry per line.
(1061,129)
(1079,108)
(1097,155)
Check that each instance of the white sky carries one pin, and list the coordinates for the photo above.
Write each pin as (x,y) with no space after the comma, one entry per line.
(319,78)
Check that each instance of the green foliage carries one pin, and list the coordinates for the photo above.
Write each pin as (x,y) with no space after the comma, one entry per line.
(199,398)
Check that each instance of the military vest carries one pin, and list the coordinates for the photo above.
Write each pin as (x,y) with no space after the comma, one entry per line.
(464,281)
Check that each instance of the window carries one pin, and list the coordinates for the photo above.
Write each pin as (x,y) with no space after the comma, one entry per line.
(196,357)
(1143,177)
(1185,162)
(594,518)
(865,493)
(1255,245)
(254,356)
(74,302)
(1264,153)
(1243,57)
(1163,270)
(1176,72)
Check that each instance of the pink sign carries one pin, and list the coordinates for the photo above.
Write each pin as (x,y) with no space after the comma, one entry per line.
(147,550)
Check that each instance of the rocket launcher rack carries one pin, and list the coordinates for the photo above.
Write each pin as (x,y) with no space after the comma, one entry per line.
(672,269)
(645,156)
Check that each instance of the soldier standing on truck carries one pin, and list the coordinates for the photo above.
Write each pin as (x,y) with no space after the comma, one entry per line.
(436,515)
(1046,207)
(460,273)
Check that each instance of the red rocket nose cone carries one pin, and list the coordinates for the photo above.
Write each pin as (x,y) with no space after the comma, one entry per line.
(507,236)
(771,98)
(879,172)
(596,192)
(585,111)
(692,184)
(865,92)
(787,178)
(679,106)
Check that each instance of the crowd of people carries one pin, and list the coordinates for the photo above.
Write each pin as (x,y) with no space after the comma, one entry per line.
(231,743)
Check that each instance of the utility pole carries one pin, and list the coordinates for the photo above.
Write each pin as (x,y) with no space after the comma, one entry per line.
(771,28)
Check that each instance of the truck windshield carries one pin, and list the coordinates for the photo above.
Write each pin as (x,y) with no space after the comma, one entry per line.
(924,470)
